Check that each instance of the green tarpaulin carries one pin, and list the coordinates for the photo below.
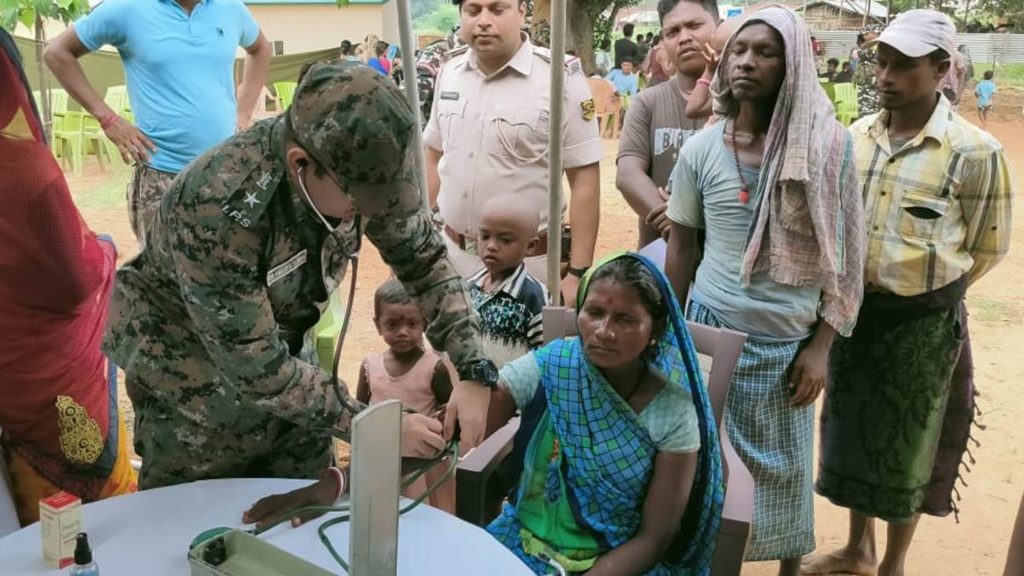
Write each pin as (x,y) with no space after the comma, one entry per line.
(104,69)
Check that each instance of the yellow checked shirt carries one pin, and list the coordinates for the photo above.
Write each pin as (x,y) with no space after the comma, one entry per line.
(936,209)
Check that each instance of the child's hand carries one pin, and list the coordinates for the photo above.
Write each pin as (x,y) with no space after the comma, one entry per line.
(268,510)
(658,218)
(711,59)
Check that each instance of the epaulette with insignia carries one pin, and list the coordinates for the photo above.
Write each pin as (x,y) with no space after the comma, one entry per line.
(572,63)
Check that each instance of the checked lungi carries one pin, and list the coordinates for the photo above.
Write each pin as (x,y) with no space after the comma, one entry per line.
(775,442)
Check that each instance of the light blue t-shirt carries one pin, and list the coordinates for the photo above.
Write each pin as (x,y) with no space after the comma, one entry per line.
(179,69)
(984,91)
(705,195)
(624,84)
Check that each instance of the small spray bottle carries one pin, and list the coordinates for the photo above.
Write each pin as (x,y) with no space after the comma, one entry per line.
(84,566)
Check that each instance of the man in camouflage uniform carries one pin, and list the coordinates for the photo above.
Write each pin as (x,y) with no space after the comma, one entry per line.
(211,321)
(428,64)
(864,75)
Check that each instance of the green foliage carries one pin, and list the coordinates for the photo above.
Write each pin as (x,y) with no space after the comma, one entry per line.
(13,12)
(1006,75)
(439,21)
(604,13)
(421,8)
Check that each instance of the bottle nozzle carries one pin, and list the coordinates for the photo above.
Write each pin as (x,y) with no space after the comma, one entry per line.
(83,554)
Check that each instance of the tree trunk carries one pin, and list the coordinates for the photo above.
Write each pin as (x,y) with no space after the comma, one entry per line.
(580,35)
(540,23)
(579,29)
(44,84)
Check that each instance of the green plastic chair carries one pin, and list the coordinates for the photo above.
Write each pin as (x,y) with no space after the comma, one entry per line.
(327,331)
(830,90)
(846,102)
(285,93)
(93,136)
(67,140)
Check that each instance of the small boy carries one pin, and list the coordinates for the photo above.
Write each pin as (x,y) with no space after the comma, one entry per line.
(985,90)
(421,379)
(507,298)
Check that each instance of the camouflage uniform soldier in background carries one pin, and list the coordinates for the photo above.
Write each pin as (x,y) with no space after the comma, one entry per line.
(864,75)
(211,321)
(428,64)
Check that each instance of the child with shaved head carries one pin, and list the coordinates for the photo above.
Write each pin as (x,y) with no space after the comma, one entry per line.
(507,297)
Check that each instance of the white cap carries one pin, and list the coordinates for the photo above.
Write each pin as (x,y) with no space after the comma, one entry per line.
(917,33)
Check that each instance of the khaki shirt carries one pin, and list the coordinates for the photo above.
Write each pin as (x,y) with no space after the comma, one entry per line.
(493,131)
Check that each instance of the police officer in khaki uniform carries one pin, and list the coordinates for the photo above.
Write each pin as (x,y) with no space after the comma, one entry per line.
(488,135)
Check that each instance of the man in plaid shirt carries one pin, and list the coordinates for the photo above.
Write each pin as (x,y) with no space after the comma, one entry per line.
(899,405)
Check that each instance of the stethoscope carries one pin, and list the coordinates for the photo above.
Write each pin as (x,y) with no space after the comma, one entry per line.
(353,258)
(451,449)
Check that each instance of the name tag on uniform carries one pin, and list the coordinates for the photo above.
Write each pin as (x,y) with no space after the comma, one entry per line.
(289,266)
(449,95)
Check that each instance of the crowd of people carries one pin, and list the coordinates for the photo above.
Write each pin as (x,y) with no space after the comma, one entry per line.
(844,255)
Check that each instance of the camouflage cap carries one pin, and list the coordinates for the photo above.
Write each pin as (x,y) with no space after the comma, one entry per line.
(355,123)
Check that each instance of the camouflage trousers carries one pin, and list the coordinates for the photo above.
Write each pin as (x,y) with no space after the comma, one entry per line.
(175,449)
(145,190)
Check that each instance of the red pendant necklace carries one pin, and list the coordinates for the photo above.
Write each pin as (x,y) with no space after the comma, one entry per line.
(744,189)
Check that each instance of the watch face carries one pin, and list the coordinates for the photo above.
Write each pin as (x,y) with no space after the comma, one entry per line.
(486,372)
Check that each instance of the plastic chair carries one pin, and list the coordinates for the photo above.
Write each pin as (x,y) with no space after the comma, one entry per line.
(92,134)
(719,350)
(67,140)
(830,90)
(606,106)
(328,330)
(285,93)
(845,99)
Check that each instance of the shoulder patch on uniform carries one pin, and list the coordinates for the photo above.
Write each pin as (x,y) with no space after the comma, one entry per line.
(588,109)
(573,65)
(251,196)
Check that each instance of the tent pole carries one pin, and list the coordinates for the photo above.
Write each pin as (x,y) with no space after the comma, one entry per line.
(555,148)
(407,41)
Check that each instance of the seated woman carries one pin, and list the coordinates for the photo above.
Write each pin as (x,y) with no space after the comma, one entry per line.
(618,459)
(62,429)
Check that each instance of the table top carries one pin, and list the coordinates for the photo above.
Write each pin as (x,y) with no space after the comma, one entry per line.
(149,533)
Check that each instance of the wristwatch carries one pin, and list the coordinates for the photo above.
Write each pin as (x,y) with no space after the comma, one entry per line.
(578,272)
(483,371)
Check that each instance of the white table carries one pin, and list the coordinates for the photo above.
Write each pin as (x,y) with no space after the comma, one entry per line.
(150,532)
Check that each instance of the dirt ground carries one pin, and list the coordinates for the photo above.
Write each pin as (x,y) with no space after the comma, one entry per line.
(975,546)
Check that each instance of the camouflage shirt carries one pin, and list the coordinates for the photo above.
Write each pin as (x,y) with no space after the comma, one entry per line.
(213,317)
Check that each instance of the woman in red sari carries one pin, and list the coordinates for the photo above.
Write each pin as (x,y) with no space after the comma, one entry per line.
(62,429)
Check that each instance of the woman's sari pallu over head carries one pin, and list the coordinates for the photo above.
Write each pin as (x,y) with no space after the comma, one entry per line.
(594,457)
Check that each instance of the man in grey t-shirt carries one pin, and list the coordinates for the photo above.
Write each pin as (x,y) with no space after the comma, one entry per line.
(656,125)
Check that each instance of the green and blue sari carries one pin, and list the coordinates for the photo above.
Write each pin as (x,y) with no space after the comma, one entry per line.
(587,460)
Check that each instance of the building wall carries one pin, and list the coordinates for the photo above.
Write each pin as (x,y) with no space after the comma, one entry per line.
(825,17)
(315,27)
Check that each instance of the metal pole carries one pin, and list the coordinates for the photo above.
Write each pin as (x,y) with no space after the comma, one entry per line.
(408,43)
(867,11)
(555,147)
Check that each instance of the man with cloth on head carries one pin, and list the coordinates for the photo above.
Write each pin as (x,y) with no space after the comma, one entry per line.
(212,321)
(774,188)
(900,403)
(488,135)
